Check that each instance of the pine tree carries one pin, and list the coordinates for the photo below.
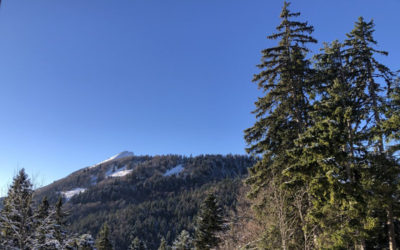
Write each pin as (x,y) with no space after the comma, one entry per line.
(45,229)
(17,215)
(282,115)
(137,244)
(331,155)
(43,210)
(209,223)
(163,244)
(85,242)
(40,216)
(183,242)
(375,78)
(60,221)
(103,242)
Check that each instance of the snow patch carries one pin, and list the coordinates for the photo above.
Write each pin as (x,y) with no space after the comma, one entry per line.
(71,193)
(119,172)
(121,155)
(174,171)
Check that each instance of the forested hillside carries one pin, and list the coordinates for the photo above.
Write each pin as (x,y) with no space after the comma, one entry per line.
(151,201)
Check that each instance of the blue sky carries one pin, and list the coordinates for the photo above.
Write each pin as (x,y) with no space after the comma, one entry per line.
(83,80)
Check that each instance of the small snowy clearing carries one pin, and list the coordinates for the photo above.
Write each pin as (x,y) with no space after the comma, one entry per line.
(71,193)
(174,171)
(118,173)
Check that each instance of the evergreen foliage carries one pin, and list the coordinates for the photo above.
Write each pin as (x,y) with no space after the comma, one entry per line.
(377,80)
(137,244)
(17,216)
(282,115)
(103,242)
(183,242)
(60,221)
(209,223)
(164,245)
(24,227)
(326,179)
(84,242)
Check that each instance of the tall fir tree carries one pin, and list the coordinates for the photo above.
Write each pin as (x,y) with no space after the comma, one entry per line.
(60,220)
(377,80)
(332,156)
(183,242)
(282,115)
(45,229)
(17,215)
(103,241)
(208,223)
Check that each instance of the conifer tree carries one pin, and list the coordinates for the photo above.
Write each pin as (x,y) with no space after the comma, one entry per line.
(103,242)
(41,214)
(60,221)
(85,242)
(331,154)
(45,229)
(137,244)
(163,244)
(17,214)
(43,210)
(209,222)
(183,242)
(284,80)
(282,115)
(375,77)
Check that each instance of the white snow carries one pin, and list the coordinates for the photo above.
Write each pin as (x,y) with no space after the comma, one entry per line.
(69,194)
(119,172)
(174,171)
(121,155)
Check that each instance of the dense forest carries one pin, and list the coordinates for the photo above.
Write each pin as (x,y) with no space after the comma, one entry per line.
(323,170)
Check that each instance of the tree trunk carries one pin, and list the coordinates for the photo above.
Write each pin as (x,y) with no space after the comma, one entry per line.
(390,223)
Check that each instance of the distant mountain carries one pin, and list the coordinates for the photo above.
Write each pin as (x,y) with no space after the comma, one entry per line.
(146,196)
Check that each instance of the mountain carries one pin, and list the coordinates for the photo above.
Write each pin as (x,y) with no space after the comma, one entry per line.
(146,196)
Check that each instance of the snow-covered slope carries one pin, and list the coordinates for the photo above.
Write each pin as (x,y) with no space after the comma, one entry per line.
(174,171)
(69,194)
(119,172)
(121,155)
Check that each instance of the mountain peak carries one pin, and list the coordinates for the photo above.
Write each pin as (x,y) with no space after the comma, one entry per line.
(121,155)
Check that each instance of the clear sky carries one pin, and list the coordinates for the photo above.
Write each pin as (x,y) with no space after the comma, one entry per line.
(81,81)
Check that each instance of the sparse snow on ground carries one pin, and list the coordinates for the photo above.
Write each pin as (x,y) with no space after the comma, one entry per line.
(69,194)
(174,171)
(118,173)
